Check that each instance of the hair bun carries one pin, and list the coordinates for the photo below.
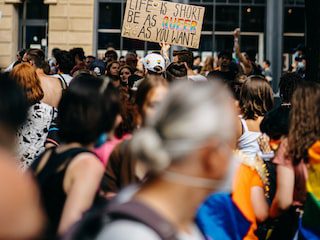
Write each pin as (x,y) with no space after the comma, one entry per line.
(146,145)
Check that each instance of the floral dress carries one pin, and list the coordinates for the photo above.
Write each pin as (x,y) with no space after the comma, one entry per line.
(32,135)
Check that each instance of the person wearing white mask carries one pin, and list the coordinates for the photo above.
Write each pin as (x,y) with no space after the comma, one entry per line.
(188,150)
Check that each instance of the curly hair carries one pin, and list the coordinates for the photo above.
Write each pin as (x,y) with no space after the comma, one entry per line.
(25,75)
(304,121)
(256,97)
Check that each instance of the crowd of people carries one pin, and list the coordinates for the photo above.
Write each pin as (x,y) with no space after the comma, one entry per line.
(157,147)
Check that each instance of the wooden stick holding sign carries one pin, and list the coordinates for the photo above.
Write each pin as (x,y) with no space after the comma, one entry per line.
(162,21)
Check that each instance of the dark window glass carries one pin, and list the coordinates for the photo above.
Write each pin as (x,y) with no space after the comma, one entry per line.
(132,44)
(227,18)
(249,43)
(290,43)
(106,40)
(294,20)
(224,43)
(36,9)
(206,43)
(109,15)
(260,1)
(253,19)
(34,36)
(153,46)
(208,19)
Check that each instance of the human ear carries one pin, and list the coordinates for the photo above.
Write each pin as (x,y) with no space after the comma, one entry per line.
(215,161)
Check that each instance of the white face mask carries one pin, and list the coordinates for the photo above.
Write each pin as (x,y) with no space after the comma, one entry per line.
(223,185)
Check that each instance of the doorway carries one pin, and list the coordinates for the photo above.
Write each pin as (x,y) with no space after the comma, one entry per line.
(33,25)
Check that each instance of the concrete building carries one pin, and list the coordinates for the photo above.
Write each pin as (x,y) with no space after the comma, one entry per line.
(271,27)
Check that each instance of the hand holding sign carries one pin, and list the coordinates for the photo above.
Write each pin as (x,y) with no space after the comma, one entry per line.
(161,21)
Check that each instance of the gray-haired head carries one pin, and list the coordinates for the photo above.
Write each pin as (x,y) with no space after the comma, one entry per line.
(190,115)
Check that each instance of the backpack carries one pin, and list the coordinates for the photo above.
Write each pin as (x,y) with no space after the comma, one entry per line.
(94,221)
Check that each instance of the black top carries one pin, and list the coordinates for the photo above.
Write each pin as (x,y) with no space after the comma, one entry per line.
(50,179)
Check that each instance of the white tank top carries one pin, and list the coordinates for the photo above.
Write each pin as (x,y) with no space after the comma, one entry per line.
(248,142)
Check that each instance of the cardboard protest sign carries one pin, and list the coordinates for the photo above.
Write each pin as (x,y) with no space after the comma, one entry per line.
(162,21)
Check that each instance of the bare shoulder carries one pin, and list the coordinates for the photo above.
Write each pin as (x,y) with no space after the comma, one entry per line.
(86,162)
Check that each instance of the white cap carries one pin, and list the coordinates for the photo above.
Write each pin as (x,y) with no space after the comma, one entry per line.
(154,62)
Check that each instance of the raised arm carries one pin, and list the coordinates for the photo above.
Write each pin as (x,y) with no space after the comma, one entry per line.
(245,62)
(165,47)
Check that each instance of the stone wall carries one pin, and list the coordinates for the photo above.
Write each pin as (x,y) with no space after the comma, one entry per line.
(71,24)
(8,32)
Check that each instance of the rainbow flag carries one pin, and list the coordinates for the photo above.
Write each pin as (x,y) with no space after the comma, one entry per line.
(219,218)
(309,227)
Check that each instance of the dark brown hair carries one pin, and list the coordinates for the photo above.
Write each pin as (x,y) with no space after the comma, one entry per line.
(37,56)
(304,127)
(256,97)
(25,75)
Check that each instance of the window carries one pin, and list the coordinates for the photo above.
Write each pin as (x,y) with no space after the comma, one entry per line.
(253,19)
(294,19)
(227,18)
(36,9)
(109,15)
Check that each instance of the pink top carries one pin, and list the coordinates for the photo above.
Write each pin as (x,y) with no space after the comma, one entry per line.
(300,172)
(103,152)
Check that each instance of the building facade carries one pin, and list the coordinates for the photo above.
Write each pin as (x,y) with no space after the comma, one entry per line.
(96,25)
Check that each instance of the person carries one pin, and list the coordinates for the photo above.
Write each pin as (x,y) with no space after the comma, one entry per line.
(33,133)
(256,99)
(110,56)
(89,60)
(122,169)
(247,60)
(132,60)
(114,116)
(112,73)
(153,64)
(225,71)
(113,69)
(19,56)
(276,122)
(78,58)
(292,157)
(267,70)
(52,87)
(64,66)
(183,164)
(21,214)
(122,61)
(186,57)
(125,72)
(13,112)
(176,72)
(197,64)
(98,67)
(69,175)
(208,66)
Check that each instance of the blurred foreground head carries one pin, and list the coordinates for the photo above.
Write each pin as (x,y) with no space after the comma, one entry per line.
(13,111)
(21,215)
(187,135)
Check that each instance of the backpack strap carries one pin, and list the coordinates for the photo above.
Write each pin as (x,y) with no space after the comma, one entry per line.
(51,167)
(139,212)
